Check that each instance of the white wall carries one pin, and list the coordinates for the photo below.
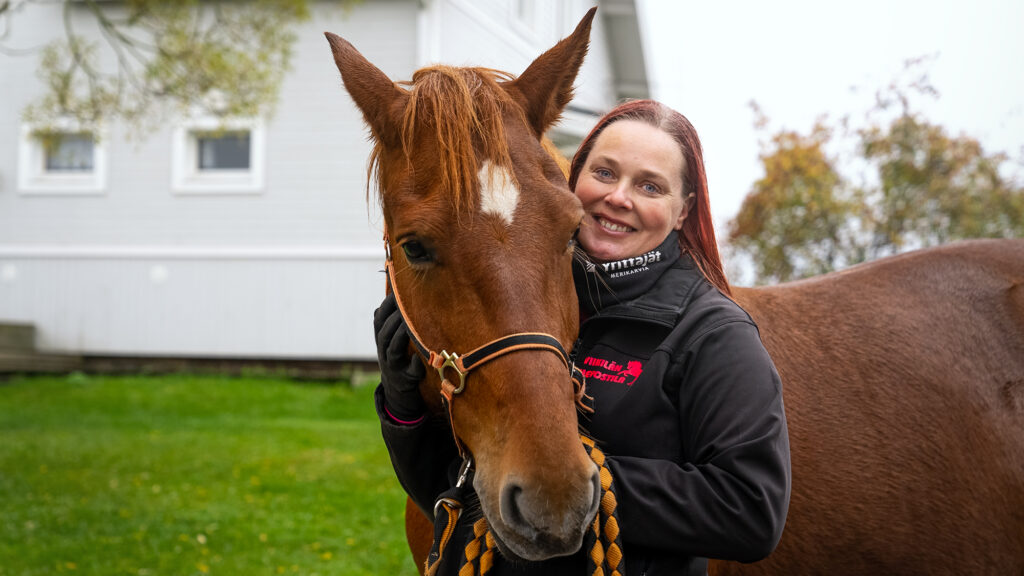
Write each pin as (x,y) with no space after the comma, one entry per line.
(179,304)
(288,272)
(291,271)
(490,34)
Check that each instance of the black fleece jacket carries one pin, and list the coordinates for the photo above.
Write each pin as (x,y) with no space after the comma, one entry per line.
(687,407)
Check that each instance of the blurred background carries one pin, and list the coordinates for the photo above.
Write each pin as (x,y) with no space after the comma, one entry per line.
(838,133)
(187,179)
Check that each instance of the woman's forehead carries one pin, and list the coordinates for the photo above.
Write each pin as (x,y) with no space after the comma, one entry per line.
(640,147)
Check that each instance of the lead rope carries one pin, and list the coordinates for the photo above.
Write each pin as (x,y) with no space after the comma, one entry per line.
(603,541)
(605,557)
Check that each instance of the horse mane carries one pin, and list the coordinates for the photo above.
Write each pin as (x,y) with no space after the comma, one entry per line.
(459,108)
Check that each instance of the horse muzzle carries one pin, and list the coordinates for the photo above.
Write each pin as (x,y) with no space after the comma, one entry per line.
(532,524)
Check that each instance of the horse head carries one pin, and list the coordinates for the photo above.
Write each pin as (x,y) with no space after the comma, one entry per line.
(480,226)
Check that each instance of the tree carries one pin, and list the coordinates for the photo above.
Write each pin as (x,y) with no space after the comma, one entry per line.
(934,188)
(793,221)
(919,187)
(222,59)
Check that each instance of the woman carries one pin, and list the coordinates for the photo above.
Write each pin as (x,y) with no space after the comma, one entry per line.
(687,403)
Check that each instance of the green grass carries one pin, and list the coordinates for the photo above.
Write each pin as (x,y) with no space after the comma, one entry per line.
(193,475)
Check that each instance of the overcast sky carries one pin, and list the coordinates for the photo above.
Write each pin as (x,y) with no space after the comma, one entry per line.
(802,58)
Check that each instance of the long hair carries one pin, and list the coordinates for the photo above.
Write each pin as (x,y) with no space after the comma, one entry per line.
(697,236)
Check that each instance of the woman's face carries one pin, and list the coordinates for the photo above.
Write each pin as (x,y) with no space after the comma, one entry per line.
(631,187)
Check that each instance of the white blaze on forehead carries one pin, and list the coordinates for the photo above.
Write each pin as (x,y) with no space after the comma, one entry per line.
(498,193)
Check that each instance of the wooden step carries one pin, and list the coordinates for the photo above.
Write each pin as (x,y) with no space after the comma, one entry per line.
(16,336)
(14,361)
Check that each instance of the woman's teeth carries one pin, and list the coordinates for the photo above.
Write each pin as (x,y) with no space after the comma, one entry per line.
(612,226)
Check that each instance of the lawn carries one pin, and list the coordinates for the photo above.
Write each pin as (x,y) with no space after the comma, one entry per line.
(195,475)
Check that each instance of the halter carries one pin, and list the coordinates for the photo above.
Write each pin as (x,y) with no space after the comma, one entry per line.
(463,363)
(602,540)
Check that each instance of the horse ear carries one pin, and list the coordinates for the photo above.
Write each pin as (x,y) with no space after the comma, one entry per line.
(374,93)
(546,85)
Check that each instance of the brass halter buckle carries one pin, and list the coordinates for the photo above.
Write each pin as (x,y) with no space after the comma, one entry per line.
(450,362)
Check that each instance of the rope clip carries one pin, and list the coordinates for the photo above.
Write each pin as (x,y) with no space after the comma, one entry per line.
(464,470)
(452,504)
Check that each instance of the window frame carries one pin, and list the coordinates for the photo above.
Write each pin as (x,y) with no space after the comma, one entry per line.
(186,176)
(35,179)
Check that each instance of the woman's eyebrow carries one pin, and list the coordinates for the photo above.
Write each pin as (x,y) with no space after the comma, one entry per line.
(605,159)
(642,172)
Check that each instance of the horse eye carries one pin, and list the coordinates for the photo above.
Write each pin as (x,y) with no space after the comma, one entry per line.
(415,252)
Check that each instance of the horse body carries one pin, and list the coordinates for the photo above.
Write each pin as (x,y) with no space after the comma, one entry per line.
(904,388)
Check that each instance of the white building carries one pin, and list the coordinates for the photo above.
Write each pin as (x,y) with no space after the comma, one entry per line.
(143,248)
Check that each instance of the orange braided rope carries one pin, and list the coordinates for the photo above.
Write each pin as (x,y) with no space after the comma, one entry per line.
(606,552)
(479,551)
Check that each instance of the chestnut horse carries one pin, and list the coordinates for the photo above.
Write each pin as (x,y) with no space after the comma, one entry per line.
(904,378)
(480,227)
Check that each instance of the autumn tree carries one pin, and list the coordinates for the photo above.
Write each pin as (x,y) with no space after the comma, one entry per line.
(934,188)
(215,58)
(794,220)
(918,186)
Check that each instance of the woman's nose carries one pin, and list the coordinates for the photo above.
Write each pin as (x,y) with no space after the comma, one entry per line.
(620,197)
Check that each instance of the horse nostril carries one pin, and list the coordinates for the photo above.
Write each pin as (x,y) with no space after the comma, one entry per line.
(510,510)
(595,501)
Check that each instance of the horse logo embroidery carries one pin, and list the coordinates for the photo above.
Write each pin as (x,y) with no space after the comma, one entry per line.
(633,370)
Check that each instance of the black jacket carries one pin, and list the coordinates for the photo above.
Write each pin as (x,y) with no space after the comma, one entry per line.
(687,406)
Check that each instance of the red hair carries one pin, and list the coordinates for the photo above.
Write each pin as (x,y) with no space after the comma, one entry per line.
(697,236)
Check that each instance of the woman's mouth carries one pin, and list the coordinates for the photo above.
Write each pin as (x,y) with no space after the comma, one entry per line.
(611,226)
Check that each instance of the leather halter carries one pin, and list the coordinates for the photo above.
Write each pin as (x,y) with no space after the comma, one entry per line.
(463,363)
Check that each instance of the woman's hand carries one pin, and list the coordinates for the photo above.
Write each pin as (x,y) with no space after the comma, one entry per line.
(400,371)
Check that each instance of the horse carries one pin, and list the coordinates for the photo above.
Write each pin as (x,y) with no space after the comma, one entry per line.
(903,378)
(480,230)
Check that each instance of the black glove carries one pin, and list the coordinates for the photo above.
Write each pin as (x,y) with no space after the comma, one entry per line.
(400,371)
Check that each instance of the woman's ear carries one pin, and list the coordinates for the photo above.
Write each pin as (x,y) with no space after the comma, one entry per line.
(687,204)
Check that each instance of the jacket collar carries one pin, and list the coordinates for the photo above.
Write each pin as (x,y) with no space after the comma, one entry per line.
(655,286)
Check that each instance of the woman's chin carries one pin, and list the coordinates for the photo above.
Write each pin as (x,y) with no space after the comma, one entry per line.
(605,252)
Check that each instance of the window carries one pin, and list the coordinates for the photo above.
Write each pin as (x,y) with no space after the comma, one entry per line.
(218,157)
(70,153)
(230,151)
(61,159)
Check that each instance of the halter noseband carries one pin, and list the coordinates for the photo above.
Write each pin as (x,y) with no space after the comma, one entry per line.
(479,356)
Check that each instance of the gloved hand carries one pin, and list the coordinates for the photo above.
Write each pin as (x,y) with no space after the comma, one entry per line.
(400,371)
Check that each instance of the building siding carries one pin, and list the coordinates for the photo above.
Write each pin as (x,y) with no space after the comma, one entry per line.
(291,271)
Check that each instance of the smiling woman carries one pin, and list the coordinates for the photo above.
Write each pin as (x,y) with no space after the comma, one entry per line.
(631,187)
(661,155)
(687,402)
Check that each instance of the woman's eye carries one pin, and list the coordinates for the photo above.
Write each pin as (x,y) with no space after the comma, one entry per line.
(602,173)
(415,252)
(650,188)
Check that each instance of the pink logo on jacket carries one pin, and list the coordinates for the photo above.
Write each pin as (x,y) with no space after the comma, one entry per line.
(611,371)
